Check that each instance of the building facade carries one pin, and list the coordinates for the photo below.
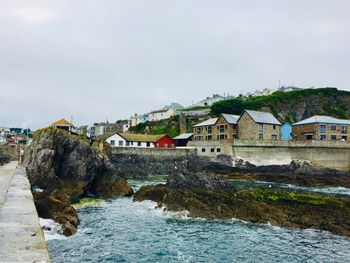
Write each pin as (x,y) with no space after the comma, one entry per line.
(321,128)
(257,125)
(63,124)
(161,114)
(137,119)
(222,128)
(141,140)
(209,100)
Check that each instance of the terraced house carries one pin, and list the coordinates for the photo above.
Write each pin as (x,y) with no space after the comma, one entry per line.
(222,128)
(321,128)
(258,125)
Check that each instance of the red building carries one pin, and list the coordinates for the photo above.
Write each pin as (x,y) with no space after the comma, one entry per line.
(165,142)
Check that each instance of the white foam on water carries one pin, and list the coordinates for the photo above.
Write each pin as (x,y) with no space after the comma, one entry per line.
(52,229)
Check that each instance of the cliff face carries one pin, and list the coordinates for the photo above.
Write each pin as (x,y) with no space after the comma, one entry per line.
(66,167)
(292,106)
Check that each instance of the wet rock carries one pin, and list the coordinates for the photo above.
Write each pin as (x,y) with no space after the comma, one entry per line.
(209,200)
(56,205)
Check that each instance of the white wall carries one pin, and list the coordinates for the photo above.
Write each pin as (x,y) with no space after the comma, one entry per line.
(157,116)
(115,140)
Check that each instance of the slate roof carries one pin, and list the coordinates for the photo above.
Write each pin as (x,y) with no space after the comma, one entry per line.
(183,136)
(62,122)
(208,122)
(231,119)
(323,119)
(263,117)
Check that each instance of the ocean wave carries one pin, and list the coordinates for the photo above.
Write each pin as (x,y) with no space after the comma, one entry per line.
(52,229)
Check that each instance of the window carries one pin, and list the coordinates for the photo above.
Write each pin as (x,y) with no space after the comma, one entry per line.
(172,146)
(210,130)
(344,138)
(322,137)
(274,127)
(308,137)
(139,144)
(222,129)
(203,150)
(333,137)
(322,128)
(199,130)
(222,136)
(234,136)
(218,150)
(120,143)
(165,145)
(274,137)
(226,126)
(333,127)
(261,128)
(112,142)
(209,137)
(344,129)
(148,144)
(261,136)
(127,143)
(212,150)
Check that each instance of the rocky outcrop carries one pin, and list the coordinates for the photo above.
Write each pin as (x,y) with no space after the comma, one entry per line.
(56,205)
(5,157)
(216,199)
(59,161)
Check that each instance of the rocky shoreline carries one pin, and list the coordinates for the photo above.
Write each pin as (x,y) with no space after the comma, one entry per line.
(213,197)
(63,168)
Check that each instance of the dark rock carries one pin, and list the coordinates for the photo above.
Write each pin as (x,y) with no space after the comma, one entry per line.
(55,205)
(66,167)
(254,205)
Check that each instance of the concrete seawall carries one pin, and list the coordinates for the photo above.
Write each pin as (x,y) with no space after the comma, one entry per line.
(320,154)
(21,237)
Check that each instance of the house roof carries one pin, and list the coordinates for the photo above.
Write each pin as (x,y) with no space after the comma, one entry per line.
(159,111)
(263,117)
(322,119)
(62,122)
(183,136)
(231,119)
(208,122)
(141,137)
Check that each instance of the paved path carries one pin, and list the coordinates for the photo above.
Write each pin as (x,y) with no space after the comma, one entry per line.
(21,237)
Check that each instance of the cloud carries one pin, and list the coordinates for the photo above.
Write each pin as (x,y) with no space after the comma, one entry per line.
(108,59)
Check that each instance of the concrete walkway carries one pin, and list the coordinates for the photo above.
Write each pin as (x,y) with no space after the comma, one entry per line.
(21,237)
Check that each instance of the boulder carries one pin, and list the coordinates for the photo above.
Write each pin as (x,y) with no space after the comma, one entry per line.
(56,205)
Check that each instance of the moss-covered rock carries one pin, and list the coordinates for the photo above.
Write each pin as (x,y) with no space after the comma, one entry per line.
(254,205)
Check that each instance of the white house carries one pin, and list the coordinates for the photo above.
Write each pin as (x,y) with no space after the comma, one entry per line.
(133,140)
(158,115)
(209,100)
(3,140)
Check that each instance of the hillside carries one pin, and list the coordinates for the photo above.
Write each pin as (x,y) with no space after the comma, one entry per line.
(292,106)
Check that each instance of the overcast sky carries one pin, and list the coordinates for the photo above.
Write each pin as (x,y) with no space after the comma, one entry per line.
(107,59)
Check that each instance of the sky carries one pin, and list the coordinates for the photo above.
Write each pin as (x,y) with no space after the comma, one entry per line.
(98,60)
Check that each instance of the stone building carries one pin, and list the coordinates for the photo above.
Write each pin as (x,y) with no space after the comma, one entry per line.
(322,128)
(257,125)
(222,128)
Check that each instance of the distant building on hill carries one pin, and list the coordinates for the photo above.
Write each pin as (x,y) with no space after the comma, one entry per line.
(63,124)
(137,119)
(209,100)
(158,115)
(140,140)
(321,128)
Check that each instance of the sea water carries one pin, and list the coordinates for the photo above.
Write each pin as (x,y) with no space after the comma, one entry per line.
(121,230)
